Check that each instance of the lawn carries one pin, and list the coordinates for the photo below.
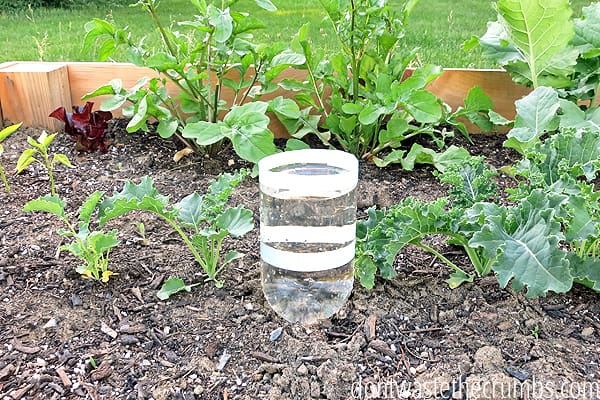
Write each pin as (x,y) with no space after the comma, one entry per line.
(437,27)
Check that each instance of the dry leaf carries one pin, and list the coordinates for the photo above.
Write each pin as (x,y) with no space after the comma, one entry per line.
(182,153)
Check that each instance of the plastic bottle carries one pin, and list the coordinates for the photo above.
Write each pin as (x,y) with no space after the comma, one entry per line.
(307,232)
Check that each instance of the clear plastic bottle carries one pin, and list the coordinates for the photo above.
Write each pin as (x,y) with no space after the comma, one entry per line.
(307,232)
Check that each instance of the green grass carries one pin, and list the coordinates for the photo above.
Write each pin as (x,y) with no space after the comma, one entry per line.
(437,27)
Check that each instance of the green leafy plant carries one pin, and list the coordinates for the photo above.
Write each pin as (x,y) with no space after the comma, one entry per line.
(540,45)
(412,222)
(544,240)
(40,152)
(370,100)
(202,221)
(204,57)
(4,133)
(544,112)
(91,246)
(566,164)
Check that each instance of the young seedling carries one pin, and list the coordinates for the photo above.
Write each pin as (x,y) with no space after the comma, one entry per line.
(4,133)
(141,230)
(202,221)
(93,247)
(39,152)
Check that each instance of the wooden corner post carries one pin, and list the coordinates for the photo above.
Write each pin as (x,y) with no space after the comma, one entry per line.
(29,91)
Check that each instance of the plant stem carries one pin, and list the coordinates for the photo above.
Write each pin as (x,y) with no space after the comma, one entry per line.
(186,240)
(48,165)
(4,180)
(441,257)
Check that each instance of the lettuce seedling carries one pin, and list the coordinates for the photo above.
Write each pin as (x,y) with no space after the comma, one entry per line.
(39,152)
(4,133)
(202,221)
(87,128)
(93,247)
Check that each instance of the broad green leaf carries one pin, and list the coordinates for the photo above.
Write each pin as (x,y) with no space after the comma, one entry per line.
(167,127)
(138,121)
(113,102)
(295,144)
(191,210)
(525,244)
(498,119)
(587,28)
(52,204)
(172,286)
(237,221)
(266,5)
(421,155)
(114,87)
(365,270)
(582,225)
(424,107)
(89,206)
(288,58)
(9,130)
(352,108)
(541,30)
(232,256)
(586,270)
(25,159)
(394,156)
(222,22)
(536,115)
(62,159)
(286,108)
(101,242)
(495,45)
(478,100)
(370,114)
(143,196)
(205,133)
(161,61)
(251,138)
(397,126)
(457,278)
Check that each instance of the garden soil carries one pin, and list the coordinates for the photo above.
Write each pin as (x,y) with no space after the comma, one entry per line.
(63,337)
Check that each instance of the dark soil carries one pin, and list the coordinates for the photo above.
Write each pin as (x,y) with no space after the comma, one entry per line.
(62,337)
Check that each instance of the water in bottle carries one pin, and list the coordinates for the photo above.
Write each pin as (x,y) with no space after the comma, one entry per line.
(307,232)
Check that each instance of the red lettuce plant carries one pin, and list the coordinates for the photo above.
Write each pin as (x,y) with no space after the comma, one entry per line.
(87,128)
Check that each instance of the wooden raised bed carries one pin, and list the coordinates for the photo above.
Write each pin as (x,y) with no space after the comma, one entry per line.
(29,91)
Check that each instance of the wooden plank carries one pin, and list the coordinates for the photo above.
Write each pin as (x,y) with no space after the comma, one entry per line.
(454,84)
(84,77)
(29,91)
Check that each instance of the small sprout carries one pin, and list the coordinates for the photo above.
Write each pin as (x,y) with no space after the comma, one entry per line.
(39,152)
(4,133)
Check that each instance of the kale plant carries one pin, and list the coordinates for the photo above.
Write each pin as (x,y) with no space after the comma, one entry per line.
(202,221)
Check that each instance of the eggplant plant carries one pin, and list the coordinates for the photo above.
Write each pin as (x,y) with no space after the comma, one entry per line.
(39,152)
(370,101)
(204,57)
